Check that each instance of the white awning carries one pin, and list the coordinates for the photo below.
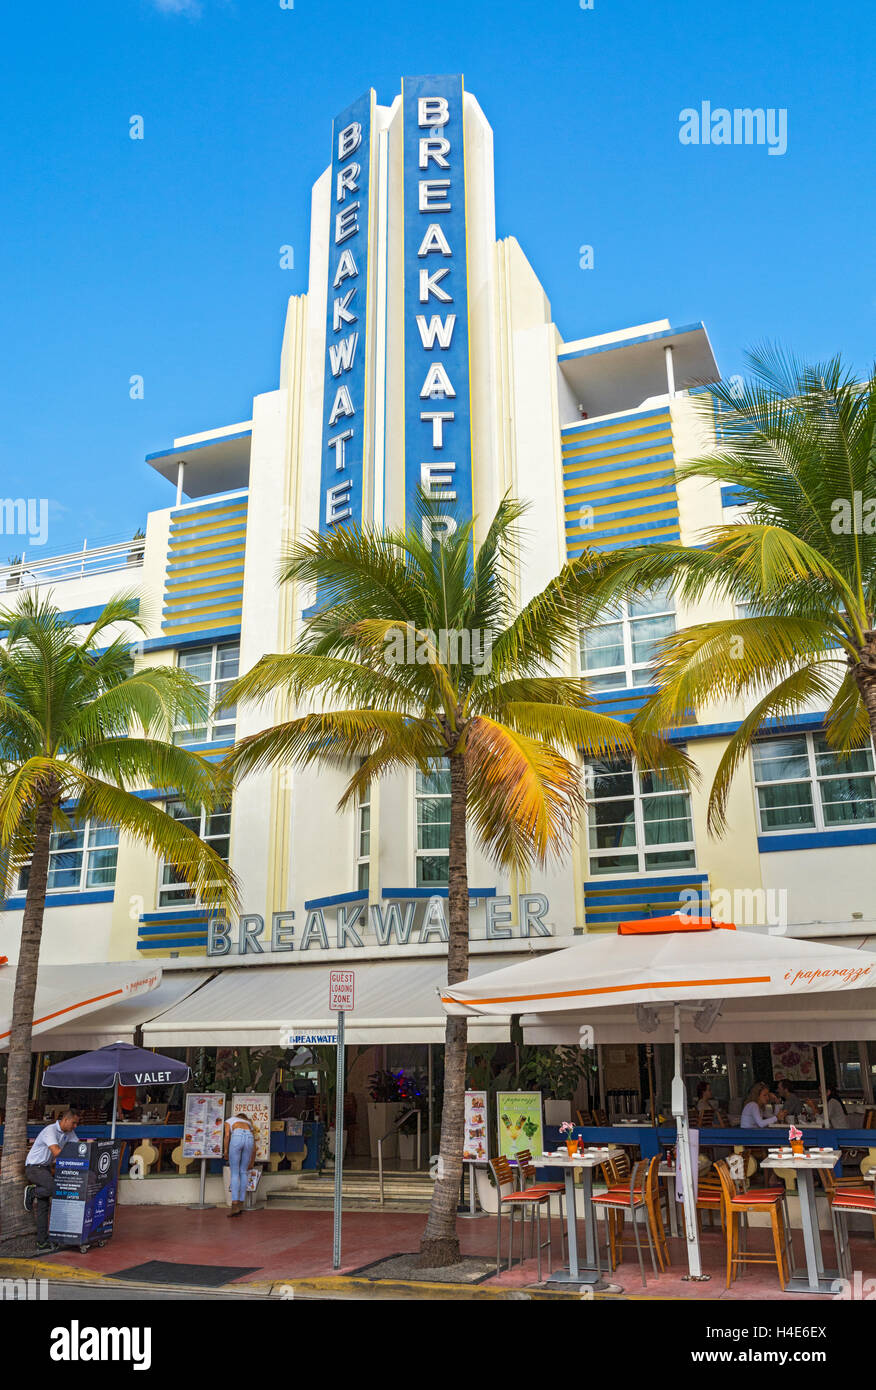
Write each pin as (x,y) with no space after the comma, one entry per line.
(119,1022)
(395,1002)
(68,992)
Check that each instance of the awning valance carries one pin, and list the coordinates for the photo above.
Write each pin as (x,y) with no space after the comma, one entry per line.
(119,1021)
(67,993)
(396,1002)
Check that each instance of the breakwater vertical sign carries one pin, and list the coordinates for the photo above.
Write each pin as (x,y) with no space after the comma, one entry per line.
(438,454)
(347,317)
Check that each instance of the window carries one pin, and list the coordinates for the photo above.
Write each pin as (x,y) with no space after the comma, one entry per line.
(620,653)
(363,845)
(82,857)
(214,830)
(433,825)
(802,784)
(213,668)
(637,820)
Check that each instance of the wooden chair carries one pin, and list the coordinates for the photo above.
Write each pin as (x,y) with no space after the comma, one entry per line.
(737,1206)
(845,1201)
(630,1199)
(585,1118)
(845,1187)
(528,1180)
(531,1200)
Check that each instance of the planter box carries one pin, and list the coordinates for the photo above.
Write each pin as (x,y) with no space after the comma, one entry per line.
(407,1147)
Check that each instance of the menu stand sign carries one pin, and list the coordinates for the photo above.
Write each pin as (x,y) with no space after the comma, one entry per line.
(475,1144)
(203,1130)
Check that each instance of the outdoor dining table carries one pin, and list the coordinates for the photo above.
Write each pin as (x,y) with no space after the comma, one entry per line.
(816,1279)
(588,1273)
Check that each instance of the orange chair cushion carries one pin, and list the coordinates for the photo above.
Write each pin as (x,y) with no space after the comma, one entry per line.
(857,1201)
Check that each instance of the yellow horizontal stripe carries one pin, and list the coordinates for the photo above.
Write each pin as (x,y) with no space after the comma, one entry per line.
(583,471)
(218,544)
(602,523)
(614,427)
(616,474)
(192,587)
(175,629)
(594,451)
(615,490)
(195,519)
(226,565)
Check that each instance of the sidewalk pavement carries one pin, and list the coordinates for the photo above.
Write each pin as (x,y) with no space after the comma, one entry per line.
(294,1249)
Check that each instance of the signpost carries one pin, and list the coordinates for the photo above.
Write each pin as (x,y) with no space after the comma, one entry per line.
(342,985)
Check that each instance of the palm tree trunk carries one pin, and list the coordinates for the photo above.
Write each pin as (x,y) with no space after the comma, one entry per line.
(440,1243)
(865,676)
(14,1220)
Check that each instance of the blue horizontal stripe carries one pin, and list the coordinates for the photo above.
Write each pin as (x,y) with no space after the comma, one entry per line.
(173,943)
(630,893)
(434,893)
(631,342)
(638,529)
(679,881)
(201,603)
(173,914)
(817,839)
(189,593)
(85,899)
(359,895)
(150,933)
(657,412)
(226,613)
(577,471)
(180,449)
(661,491)
(190,639)
(625,545)
(657,420)
(670,504)
(204,533)
(732,496)
(571,455)
(211,548)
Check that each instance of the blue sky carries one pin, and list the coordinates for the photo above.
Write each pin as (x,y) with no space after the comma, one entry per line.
(160,257)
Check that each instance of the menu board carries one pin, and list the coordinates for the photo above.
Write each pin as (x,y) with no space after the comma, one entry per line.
(519,1122)
(203,1126)
(259,1110)
(476,1141)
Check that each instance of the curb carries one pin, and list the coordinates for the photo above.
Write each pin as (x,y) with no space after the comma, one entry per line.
(319,1286)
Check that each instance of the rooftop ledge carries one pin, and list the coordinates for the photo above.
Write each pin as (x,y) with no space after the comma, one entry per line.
(216,461)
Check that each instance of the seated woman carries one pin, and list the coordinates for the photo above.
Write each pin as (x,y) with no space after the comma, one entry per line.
(753,1116)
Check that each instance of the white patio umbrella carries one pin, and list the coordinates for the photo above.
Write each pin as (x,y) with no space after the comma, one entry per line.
(737,985)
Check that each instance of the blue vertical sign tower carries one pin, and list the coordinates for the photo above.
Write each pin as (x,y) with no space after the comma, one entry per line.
(438,453)
(347,318)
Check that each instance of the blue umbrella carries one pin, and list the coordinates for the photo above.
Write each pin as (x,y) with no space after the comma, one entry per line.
(117,1064)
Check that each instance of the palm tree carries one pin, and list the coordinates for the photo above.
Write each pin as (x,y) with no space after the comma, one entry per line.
(79,726)
(799,442)
(421,654)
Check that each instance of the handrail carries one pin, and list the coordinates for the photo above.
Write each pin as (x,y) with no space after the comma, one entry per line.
(30,571)
(399,1120)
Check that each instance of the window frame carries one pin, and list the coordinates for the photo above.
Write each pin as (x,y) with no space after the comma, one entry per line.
(191,899)
(640,849)
(363,861)
(87,850)
(420,854)
(626,672)
(814,781)
(214,730)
